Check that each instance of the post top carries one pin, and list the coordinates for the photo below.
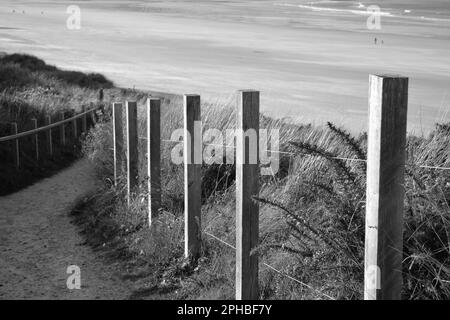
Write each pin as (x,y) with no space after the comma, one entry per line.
(388,76)
(247,90)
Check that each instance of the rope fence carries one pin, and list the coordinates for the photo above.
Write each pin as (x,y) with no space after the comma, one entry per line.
(385,176)
(303,154)
(45,128)
(16,136)
(274,269)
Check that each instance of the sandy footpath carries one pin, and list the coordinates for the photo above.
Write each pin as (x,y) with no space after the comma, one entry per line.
(38,242)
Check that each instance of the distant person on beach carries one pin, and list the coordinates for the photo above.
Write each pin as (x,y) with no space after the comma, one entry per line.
(375,40)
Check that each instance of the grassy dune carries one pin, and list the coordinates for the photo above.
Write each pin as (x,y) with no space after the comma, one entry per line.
(311,223)
(29,88)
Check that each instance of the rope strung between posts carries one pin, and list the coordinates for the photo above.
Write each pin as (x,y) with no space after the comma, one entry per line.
(45,128)
(274,269)
(305,154)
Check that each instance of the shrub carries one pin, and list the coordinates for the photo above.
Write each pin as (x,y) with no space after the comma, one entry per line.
(12,76)
(25,66)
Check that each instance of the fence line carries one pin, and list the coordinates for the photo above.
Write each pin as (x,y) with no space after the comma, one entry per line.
(47,128)
(385,175)
(44,128)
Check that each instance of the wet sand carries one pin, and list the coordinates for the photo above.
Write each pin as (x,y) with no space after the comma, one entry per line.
(308,64)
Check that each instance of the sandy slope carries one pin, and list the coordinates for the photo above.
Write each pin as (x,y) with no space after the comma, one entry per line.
(38,242)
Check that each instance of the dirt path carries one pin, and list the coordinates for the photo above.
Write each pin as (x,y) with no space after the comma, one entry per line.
(38,242)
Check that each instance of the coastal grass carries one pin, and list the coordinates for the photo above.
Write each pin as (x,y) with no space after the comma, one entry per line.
(311,217)
(29,88)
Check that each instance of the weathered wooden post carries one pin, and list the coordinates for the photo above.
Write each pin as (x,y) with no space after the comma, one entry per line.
(247,185)
(118,140)
(74,124)
(36,139)
(388,103)
(16,151)
(154,157)
(92,113)
(62,130)
(192,154)
(49,135)
(84,120)
(132,148)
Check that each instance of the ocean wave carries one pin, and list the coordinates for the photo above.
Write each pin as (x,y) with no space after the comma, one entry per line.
(313,6)
(433,19)
(359,9)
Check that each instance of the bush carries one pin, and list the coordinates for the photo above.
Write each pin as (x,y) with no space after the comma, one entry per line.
(13,76)
(29,65)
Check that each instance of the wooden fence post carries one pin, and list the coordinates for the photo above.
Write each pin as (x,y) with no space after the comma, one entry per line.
(118,140)
(92,114)
(74,124)
(49,135)
(247,185)
(388,103)
(192,176)
(84,120)
(62,130)
(36,139)
(154,157)
(16,152)
(132,148)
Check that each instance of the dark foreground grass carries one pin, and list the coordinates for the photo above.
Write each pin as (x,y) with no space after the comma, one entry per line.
(311,219)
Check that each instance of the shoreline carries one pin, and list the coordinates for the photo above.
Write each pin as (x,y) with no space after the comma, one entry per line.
(303,68)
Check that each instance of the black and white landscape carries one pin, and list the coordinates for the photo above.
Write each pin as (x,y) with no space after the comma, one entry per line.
(348,192)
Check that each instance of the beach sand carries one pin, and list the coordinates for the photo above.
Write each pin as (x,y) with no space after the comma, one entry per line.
(310,63)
